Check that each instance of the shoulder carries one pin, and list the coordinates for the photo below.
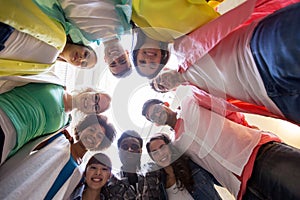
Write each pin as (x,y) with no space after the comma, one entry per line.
(118,189)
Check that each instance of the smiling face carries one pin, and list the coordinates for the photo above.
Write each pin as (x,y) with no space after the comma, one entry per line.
(116,58)
(97,175)
(92,102)
(148,60)
(160,152)
(79,56)
(167,80)
(158,114)
(92,136)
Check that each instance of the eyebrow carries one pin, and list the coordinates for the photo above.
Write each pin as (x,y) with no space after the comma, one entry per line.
(158,148)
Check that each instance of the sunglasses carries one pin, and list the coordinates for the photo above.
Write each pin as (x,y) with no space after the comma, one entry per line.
(97,99)
(133,147)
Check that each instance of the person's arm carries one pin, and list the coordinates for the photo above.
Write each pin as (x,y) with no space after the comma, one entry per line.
(199,42)
(220,106)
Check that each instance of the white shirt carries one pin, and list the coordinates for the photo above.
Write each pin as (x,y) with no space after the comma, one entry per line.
(98,19)
(217,144)
(175,194)
(24,47)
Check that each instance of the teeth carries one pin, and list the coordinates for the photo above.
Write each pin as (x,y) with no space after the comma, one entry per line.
(163,159)
(97,179)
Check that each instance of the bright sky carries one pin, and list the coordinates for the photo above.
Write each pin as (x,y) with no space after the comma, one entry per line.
(128,96)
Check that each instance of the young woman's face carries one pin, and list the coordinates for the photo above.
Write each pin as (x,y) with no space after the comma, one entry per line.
(92,102)
(97,175)
(148,60)
(160,152)
(157,114)
(92,136)
(79,56)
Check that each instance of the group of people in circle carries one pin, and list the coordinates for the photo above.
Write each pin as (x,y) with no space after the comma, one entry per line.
(234,65)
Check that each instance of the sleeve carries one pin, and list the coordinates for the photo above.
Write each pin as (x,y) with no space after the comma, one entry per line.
(220,106)
(199,42)
(8,83)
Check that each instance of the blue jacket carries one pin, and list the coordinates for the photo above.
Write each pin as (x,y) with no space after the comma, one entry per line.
(203,184)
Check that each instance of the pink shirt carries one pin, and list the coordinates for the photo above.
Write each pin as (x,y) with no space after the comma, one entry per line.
(230,73)
(217,144)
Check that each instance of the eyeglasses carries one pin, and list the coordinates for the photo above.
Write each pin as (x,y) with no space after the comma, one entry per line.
(97,106)
(133,147)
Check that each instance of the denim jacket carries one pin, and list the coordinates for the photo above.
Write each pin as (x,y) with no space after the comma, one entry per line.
(203,184)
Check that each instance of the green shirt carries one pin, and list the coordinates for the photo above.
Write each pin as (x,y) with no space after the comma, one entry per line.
(35,109)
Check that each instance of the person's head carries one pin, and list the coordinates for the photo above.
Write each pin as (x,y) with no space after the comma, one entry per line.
(130,146)
(166,81)
(78,55)
(94,132)
(157,112)
(97,171)
(165,154)
(91,101)
(159,148)
(117,59)
(149,58)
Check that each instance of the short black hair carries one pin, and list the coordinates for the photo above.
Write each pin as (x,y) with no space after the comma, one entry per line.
(123,73)
(149,103)
(130,133)
(165,54)
(152,86)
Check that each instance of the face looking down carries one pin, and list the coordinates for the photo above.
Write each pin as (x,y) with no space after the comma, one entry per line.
(97,175)
(160,152)
(130,151)
(167,80)
(79,56)
(157,114)
(148,60)
(92,136)
(117,58)
(92,102)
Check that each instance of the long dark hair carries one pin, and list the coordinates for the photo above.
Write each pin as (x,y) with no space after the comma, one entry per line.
(141,37)
(180,163)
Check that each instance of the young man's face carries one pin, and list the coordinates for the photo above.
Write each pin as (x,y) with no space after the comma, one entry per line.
(116,58)
(158,114)
(130,151)
(166,81)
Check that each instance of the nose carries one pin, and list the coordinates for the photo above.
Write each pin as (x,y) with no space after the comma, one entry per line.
(98,171)
(130,149)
